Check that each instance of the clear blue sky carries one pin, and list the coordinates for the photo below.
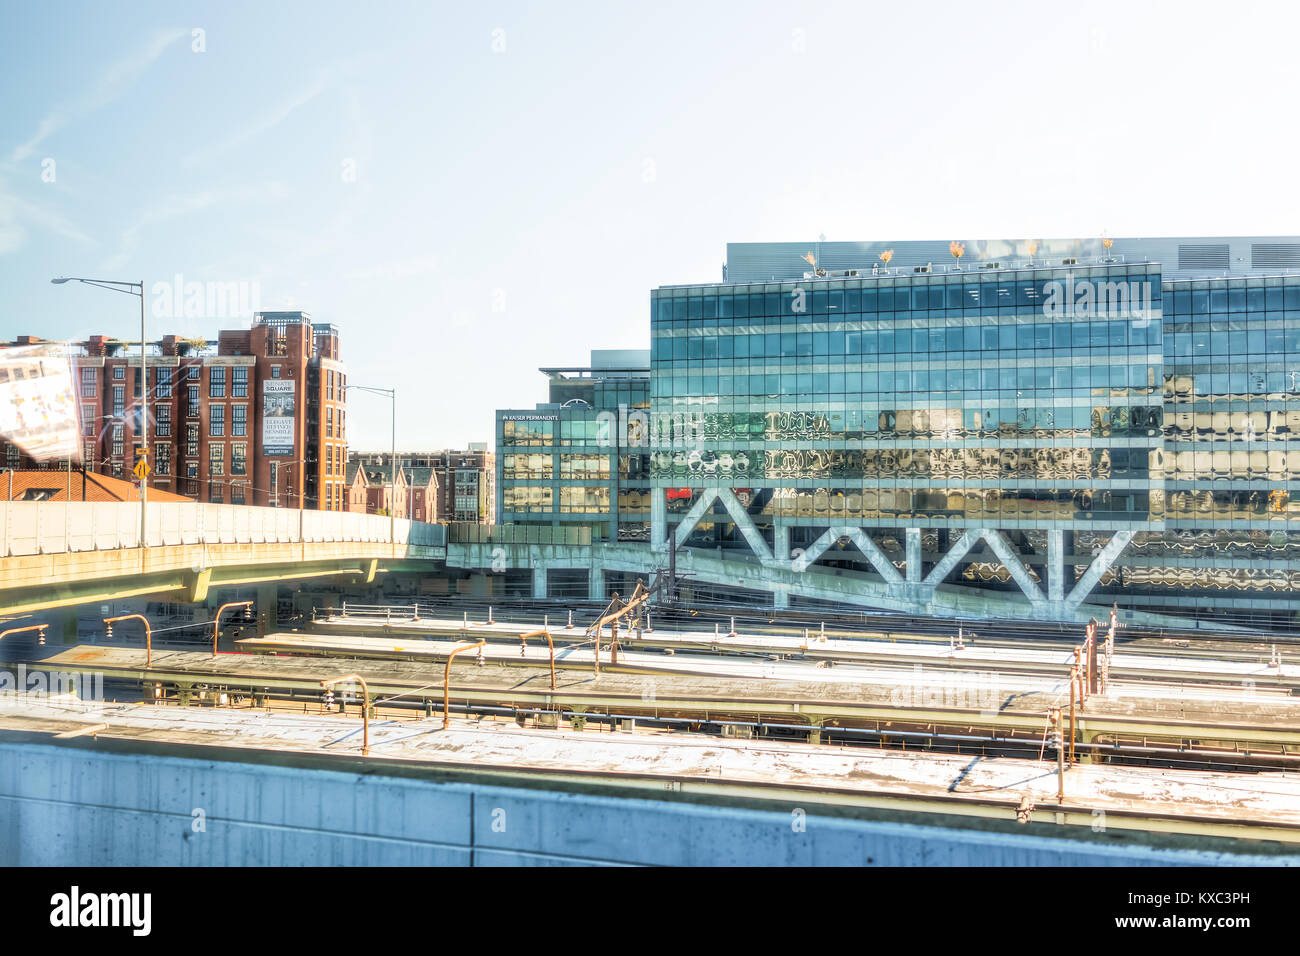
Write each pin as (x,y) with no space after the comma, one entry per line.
(560,160)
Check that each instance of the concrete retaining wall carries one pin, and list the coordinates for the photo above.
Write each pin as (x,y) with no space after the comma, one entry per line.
(74,806)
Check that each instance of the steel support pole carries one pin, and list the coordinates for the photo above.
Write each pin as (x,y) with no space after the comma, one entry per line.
(144,432)
(392,495)
(1094,674)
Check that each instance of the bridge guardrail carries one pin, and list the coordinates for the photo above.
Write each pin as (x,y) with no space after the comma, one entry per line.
(470,533)
(52,527)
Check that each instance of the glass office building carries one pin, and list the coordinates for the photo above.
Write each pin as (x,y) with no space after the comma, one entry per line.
(1052,424)
(1118,414)
(947,399)
(580,458)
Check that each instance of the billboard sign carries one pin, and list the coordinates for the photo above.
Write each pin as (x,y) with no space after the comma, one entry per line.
(277,417)
(38,408)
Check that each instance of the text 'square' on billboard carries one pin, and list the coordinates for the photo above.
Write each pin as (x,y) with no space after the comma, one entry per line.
(278,417)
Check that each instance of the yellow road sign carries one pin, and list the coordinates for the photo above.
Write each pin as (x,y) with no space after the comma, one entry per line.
(142,469)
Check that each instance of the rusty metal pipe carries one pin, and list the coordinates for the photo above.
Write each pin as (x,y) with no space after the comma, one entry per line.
(20,630)
(216,621)
(546,634)
(1073,675)
(639,596)
(1055,717)
(365,707)
(1076,676)
(148,634)
(446,681)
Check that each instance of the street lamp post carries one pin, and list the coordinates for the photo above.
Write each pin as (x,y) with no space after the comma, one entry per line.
(275,482)
(131,288)
(392,464)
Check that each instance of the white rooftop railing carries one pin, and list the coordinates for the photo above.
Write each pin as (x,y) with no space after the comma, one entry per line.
(972,266)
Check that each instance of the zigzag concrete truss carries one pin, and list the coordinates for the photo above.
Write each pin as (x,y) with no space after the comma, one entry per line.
(905,587)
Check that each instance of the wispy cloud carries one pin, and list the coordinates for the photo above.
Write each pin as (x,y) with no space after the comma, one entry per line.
(12,234)
(115,81)
(333,75)
(49,221)
(174,207)
(15,213)
(268,120)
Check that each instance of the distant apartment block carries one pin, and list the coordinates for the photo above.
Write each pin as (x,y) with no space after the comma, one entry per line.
(257,417)
(439,486)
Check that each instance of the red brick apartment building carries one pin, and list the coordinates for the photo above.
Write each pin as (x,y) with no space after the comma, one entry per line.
(371,489)
(258,417)
(441,486)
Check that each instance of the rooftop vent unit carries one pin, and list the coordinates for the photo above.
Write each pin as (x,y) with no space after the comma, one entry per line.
(1070,262)
(1210,256)
(924,268)
(1275,255)
(991,265)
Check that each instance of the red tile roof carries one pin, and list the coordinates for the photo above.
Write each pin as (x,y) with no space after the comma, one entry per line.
(53,486)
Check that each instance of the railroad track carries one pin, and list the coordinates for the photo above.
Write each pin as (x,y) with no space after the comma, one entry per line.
(1165,666)
(1186,728)
(1206,643)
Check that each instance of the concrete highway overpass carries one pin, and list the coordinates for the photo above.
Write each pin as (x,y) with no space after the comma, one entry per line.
(60,554)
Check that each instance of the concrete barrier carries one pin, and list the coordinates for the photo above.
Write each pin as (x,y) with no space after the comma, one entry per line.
(52,527)
(74,806)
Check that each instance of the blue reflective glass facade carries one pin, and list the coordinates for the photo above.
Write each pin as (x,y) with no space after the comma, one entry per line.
(973,398)
(1135,396)
(945,400)
(579,459)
